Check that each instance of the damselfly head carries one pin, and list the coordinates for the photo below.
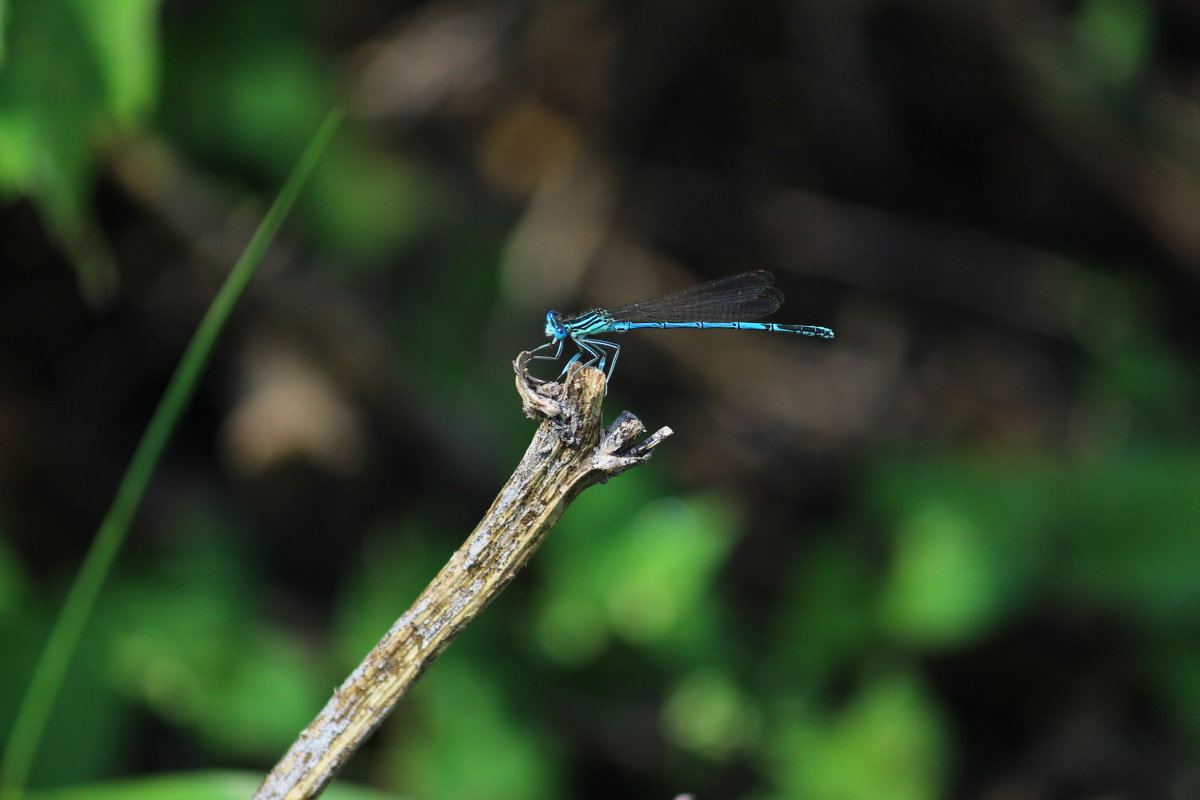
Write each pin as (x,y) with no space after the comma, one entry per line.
(554,326)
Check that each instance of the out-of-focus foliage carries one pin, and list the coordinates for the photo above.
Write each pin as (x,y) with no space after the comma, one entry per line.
(209,785)
(641,578)
(950,553)
(240,685)
(886,740)
(1114,39)
(74,75)
(248,84)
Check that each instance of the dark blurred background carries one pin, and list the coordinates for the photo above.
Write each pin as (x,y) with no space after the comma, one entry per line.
(954,553)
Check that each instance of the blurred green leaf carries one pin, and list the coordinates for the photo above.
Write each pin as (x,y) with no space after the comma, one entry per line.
(1129,523)
(572,624)
(1113,37)
(246,90)
(50,96)
(647,579)
(248,80)
(123,35)
(971,536)
(279,89)
(267,697)
(186,786)
(203,785)
(184,644)
(707,713)
(367,204)
(460,711)
(88,734)
(54,105)
(825,623)
(3,32)
(72,72)
(941,588)
(662,571)
(887,742)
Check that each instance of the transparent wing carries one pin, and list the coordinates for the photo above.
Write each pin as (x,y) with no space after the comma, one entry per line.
(737,298)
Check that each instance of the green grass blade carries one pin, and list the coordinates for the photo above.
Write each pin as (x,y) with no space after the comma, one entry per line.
(3,30)
(77,608)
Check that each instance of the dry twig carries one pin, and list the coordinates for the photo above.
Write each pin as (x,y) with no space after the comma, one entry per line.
(569,453)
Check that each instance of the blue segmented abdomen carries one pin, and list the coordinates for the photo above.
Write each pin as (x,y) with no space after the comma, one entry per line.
(805,330)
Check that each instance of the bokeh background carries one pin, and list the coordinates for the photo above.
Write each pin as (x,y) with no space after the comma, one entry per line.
(954,553)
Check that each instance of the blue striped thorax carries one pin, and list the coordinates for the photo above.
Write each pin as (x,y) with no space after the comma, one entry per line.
(554,326)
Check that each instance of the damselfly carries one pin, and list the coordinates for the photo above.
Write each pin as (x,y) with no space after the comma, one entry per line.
(730,302)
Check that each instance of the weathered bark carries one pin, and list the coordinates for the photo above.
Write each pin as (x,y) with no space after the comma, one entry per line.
(569,453)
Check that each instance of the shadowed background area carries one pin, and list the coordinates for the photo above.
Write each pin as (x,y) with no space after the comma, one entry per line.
(951,553)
